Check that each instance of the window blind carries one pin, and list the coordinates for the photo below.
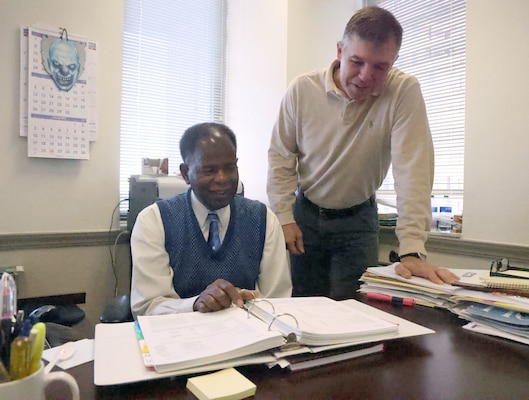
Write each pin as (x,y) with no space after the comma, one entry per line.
(433,50)
(173,76)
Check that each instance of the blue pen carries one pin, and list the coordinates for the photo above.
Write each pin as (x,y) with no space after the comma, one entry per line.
(8,309)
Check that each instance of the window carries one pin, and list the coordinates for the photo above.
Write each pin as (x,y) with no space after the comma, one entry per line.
(433,50)
(173,77)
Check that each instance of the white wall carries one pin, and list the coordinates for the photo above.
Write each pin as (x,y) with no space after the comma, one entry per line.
(255,83)
(270,42)
(52,195)
(314,27)
(257,53)
(496,205)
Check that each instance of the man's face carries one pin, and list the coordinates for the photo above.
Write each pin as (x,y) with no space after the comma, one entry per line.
(212,171)
(364,66)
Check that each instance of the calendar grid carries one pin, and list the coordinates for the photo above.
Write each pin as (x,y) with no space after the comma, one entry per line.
(58,110)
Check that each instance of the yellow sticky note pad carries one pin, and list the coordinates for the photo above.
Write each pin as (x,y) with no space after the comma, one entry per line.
(228,384)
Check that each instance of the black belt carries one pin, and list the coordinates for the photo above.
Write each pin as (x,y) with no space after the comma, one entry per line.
(330,213)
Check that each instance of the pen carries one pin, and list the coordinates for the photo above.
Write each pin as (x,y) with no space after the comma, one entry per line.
(396,301)
(8,309)
(4,375)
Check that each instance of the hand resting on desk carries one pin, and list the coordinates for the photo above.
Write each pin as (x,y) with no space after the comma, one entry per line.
(222,294)
(409,266)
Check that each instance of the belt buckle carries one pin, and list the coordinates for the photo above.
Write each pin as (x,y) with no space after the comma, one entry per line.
(328,213)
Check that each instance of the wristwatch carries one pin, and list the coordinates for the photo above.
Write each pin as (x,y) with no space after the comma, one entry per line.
(420,256)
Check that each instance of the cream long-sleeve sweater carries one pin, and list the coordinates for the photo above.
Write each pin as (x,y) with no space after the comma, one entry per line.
(339,151)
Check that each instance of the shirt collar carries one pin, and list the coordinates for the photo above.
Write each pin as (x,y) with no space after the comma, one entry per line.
(201,212)
(331,87)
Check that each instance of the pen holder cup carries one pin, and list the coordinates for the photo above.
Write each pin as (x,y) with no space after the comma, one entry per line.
(41,386)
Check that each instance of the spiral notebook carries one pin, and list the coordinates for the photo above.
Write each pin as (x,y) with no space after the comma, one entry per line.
(180,341)
(498,282)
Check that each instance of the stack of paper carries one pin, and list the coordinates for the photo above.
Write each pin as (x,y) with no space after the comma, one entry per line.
(387,219)
(471,298)
(316,357)
(494,313)
(496,321)
(118,344)
(386,281)
(180,341)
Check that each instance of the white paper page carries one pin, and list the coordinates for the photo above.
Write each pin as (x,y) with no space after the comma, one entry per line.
(466,275)
(487,330)
(118,360)
(318,320)
(179,338)
(84,352)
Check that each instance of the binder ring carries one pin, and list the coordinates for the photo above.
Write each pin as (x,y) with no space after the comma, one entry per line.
(279,316)
(252,303)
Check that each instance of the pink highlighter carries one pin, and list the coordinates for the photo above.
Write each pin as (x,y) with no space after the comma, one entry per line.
(396,301)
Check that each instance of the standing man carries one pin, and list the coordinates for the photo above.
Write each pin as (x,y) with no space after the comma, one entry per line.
(206,249)
(337,133)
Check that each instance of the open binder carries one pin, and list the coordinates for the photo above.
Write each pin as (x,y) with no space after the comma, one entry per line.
(187,340)
(117,345)
(317,321)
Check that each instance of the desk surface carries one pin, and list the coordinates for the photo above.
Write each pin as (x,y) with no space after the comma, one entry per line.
(453,363)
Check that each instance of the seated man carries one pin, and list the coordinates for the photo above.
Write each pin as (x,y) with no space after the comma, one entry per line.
(175,269)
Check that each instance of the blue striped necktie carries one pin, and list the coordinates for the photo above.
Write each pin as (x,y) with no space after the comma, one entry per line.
(214,237)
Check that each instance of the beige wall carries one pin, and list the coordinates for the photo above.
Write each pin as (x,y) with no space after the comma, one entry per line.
(497,122)
(53,195)
(67,270)
(257,59)
(61,196)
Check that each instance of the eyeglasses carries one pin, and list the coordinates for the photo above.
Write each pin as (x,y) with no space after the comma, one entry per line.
(501,267)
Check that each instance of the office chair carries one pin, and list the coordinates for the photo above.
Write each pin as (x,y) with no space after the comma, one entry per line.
(117,311)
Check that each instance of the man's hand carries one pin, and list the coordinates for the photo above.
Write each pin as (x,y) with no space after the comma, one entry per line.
(293,239)
(222,294)
(409,266)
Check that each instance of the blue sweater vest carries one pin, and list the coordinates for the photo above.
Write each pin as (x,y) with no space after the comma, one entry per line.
(194,264)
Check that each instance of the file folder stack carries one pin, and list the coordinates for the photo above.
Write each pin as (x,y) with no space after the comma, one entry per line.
(494,311)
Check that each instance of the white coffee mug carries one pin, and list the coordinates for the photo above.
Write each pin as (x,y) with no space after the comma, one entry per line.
(33,387)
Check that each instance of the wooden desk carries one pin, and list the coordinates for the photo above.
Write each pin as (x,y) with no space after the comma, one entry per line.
(451,364)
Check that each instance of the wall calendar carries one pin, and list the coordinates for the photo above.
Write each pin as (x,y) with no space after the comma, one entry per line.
(57,93)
